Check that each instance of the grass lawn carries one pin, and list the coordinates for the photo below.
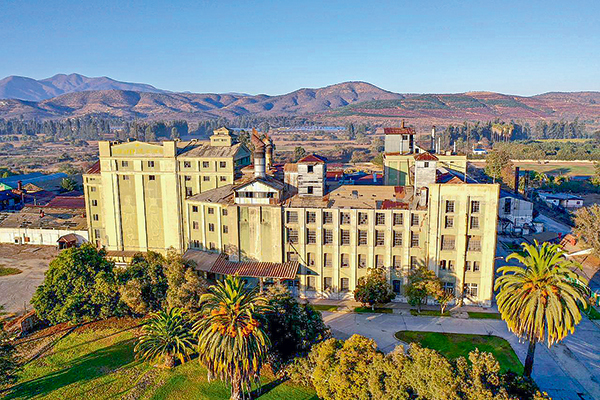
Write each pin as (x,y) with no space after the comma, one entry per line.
(429,313)
(558,168)
(592,313)
(454,345)
(5,271)
(377,310)
(483,315)
(99,363)
(324,307)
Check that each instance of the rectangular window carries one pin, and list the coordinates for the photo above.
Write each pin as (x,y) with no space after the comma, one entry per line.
(397,239)
(449,206)
(311,282)
(151,177)
(223,178)
(414,220)
(362,261)
(124,163)
(310,259)
(327,283)
(474,243)
(363,218)
(475,265)
(398,219)
(475,207)
(379,238)
(195,243)
(471,289)
(345,217)
(97,233)
(211,227)
(224,212)
(292,217)
(362,238)
(380,219)
(150,164)
(474,222)
(187,164)
(449,221)
(327,217)
(443,264)
(310,190)
(125,177)
(450,265)
(212,246)
(448,242)
(187,178)
(397,262)
(310,169)
(194,208)
(92,189)
(211,210)
(327,260)
(94,203)
(222,164)
(292,256)
(378,260)
(327,236)
(345,237)
(188,191)
(345,261)
(413,262)
(311,236)
(311,217)
(344,284)
(396,285)
(292,235)
(95,217)
(195,225)
(206,178)
(205,164)
(414,239)
(448,287)
(225,229)
(507,205)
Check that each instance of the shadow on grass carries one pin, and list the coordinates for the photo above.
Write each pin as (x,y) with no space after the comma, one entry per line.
(266,388)
(87,368)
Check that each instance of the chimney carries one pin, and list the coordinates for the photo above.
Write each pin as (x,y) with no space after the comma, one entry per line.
(517,180)
(20,185)
(41,213)
(402,126)
(433,138)
(259,155)
(269,153)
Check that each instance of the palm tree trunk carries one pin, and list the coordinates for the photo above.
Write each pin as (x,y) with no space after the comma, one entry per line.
(236,389)
(169,361)
(529,359)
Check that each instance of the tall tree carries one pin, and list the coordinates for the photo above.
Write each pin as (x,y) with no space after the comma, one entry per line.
(374,288)
(587,226)
(539,299)
(232,344)
(9,365)
(495,162)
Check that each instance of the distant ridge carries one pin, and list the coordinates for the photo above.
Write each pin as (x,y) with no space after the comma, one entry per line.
(64,96)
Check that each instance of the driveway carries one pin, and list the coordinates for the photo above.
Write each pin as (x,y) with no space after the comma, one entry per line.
(16,290)
(568,371)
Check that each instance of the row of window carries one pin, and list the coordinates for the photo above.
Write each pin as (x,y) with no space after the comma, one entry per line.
(211,227)
(475,206)
(449,222)
(361,262)
(210,210)
(448,242)
(328,236)
(205,178)
(448,265)
(205,164)
(363,218)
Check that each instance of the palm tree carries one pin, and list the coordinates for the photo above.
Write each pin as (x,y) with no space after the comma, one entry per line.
(539,299)
(231,343)
(167,335)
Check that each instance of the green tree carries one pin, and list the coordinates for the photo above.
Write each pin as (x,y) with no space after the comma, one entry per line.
(232,344)
(495,162)
(80,285)
(166,335)
(378,160)
(143,284)
(68,184)
(149,134)
(422,283)
(299,152)
(587,226)
(185,286)
(539,298)
(374,288)
(9,365)
(293,328)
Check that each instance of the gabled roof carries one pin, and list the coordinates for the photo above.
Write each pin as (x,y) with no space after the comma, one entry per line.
(258,144)
(94,169)
(267,180)
(425,156)
(312,158)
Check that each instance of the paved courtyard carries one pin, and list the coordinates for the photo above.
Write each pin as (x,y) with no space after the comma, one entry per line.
(567,371)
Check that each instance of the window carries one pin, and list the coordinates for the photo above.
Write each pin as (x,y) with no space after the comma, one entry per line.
(450,265)
(225,229)
(449,206)
(311,236)
(97,233)
(124,164)
(379,238)
(327,236)
(327,260)
(448,287)
(471,289)
(413,262)
(344,284)
(194,208)
(475,265)
(362,238)
(467,265)
(151,177)
(414,220)
(205,164)
(125,177)
(211,210)
(449,221)
(195,243)
(345,217)
(309,190)
(426,164)
(211,246)
(188,191)
(442,264)
(195,225)
(311,217)
(292,217)
(380,219)
(222,164)
(150,164)
(223,178)
(474,222)
(211,227)
(363,218)
(448,242)
(396,285)
(292,235)
(292,256)
(474,243)
(345,261)
(310,169)
(345,237)
(94,203)
(327,217)
(397,262)
(187,178)
(92,189)
(187,164)
(224,212)
(311,282)
(414,239)
(310,259)
(206,178)
(397,239)
(95,217)
(378,260)
(507,205)
(398,219)
(475,206)
(327,283)
(362,261)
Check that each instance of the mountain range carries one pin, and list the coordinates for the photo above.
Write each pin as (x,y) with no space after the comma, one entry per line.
(63,96)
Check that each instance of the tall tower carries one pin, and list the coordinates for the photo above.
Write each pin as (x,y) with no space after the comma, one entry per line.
(259,155)
(432,147)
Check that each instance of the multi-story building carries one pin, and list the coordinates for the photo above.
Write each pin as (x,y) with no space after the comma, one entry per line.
(260,223)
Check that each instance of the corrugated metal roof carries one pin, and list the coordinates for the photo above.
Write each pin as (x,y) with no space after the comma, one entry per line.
(426,156)
(94,169)
(312,158)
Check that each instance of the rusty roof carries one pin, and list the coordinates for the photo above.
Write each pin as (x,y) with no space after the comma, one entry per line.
(94,169)
(67,202)
(399,131)
(425,156)
(312,158)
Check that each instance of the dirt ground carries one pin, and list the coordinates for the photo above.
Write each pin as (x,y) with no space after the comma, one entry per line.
(16,290)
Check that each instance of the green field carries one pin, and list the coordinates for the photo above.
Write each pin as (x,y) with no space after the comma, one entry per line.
(454,345)
(376,310)
(100,364)
(558,168)
(5,271)
(325,307)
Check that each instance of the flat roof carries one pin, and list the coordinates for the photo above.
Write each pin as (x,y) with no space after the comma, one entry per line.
(30,217)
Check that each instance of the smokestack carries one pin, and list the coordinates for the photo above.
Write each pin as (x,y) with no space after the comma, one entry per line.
(433,139)
(517,180)
(259,155)
(269,154)
(20,185)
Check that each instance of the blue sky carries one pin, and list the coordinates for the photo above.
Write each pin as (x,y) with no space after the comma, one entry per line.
(274,47)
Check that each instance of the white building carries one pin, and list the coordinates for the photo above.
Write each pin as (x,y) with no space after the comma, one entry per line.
(515,214)
(565,200)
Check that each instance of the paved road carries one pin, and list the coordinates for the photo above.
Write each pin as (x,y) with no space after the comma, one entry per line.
(568,371)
